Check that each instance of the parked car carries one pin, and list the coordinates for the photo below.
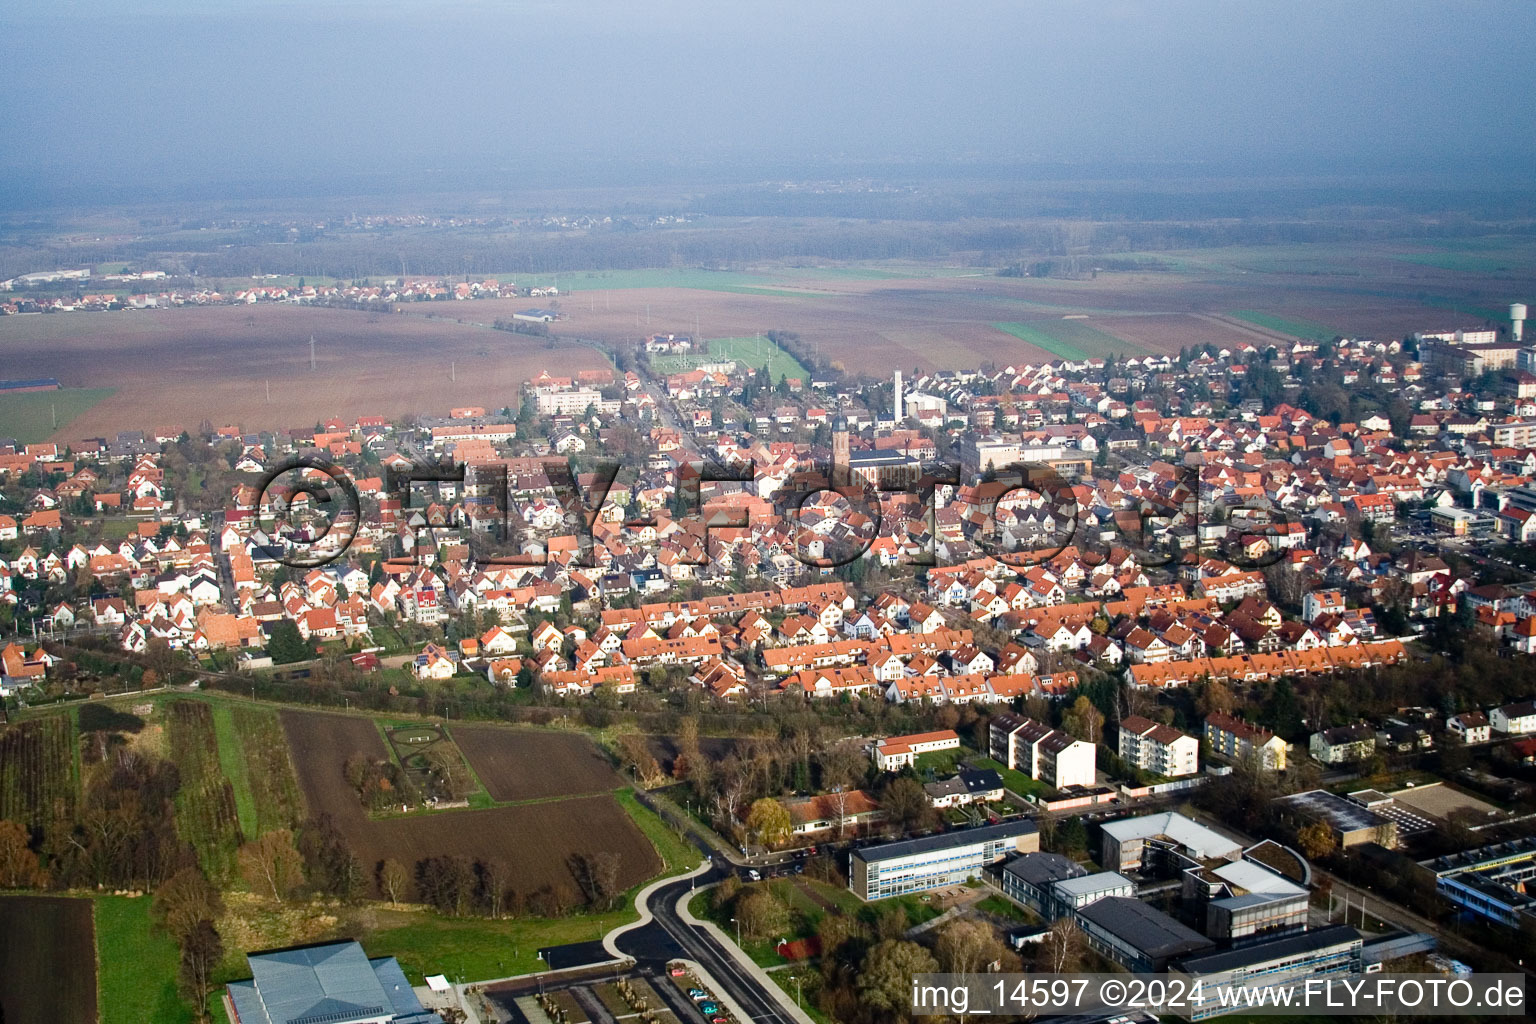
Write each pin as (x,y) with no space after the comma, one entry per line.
(697,994)
(678,972)
(709,1009)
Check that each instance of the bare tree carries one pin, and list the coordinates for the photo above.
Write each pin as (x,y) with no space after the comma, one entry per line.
(495,878)
(272,863)
(394,880)
(1061,951)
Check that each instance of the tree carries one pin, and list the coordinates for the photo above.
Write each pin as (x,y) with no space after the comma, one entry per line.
(597,876)
(1315,840)
(447,883)
(448,768)
(272,863)
(1061,951)
(967,947)
(906,804)
(1083,720)
(495,880)
(394,880)
(19,868)
(885,982)
(287,643)
(201,951)
(769,821)
(762,915)
(186,898)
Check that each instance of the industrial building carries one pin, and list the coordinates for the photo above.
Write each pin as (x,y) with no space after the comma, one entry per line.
(334,983)
(932,862)
(1137,844)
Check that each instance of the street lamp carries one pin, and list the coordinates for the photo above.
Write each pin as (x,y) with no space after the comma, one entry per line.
(738,931)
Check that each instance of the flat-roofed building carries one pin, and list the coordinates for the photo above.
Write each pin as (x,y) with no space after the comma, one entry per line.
(932,862)
(1284,962)
(1131,843)
(1351,821)
(1246,901)
(1136,935)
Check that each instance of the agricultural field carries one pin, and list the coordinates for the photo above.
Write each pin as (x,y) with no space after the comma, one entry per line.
(537,837)
(34,416)
(1304,329)
(254,755)
(206,812)
(224,358)
(48,951)
(529,764)
(1067,339)
(1170,332)
(38,775)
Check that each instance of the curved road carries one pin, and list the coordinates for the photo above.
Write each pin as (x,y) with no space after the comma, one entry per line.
(666,936)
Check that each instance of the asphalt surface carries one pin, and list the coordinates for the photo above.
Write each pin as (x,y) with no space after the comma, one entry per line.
(668,936)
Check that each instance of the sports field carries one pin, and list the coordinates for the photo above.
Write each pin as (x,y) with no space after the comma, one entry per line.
(753,351)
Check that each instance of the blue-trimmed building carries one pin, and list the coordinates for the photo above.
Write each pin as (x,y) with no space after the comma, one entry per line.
(331,984)
(932,862)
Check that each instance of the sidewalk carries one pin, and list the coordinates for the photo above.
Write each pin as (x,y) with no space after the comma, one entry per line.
(756,973)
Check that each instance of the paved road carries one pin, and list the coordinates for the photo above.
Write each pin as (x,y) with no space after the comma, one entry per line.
(668,936)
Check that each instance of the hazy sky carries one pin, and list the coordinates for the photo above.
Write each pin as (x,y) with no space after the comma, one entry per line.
(171,91)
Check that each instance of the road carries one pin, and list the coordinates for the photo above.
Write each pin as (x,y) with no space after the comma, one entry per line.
(667,937)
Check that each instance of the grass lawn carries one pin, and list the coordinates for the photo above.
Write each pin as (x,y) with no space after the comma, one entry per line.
(477,948)
(136,966)
(1000,907)
(941,762)
(677,853)
(1295,328)
(1014,779)
(29,416)
(1069,339)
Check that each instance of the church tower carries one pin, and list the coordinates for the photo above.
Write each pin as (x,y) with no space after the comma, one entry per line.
(839,449)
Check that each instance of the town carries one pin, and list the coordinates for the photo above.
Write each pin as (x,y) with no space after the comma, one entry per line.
(1209,663)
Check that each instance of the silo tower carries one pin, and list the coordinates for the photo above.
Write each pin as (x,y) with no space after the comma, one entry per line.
(1517,320)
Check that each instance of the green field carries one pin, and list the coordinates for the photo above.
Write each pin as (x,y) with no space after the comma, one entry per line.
(749,351)
(1305,329)
(761,282)
(1068,339)
(137,966)
(30,416)
(676,852)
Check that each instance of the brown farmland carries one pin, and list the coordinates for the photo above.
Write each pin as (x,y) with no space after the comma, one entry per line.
(183,367)
(534,839)
(47,959)
(525,764)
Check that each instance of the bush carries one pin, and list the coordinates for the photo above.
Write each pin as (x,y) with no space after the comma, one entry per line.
(102,718)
